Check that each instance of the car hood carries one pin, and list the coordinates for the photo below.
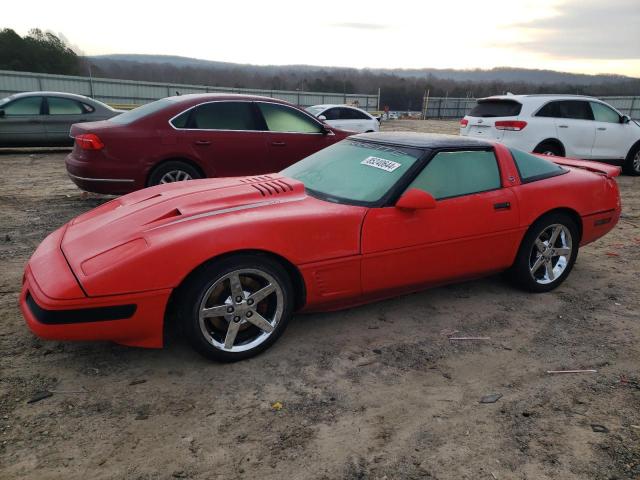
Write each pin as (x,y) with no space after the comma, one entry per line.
(125,225)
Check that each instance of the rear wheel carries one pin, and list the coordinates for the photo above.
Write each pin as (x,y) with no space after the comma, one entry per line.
(236,308)
(547,253)
(173,171)
(632,163)
(549,148)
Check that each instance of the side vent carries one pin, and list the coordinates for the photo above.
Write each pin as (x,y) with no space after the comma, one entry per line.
(171,214)
(274,187)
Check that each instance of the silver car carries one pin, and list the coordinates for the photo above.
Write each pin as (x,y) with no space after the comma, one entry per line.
(44,118)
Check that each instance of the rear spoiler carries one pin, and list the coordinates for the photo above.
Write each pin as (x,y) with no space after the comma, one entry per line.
(610,171)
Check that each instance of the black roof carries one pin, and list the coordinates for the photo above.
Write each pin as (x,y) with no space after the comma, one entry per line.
(422,140)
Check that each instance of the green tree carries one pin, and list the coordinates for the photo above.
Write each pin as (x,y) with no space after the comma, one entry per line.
(38,51)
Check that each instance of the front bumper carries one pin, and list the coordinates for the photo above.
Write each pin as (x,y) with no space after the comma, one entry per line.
(134,319)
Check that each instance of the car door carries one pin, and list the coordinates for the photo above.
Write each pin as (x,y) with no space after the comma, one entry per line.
(61,113)
(576,128)
(359,121)
(471,231)
(226,138)
(613,138)
(292,135)
(21,124)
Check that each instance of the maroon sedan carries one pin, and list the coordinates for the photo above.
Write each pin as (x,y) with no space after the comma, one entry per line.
(193,136)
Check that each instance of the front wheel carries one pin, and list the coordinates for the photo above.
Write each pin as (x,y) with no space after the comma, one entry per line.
(547,253)
(236,308)
(632,163)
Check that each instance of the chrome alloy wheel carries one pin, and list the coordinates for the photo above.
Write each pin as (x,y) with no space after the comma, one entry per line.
(241,310)
(550,254)
(175,176)
(636,161)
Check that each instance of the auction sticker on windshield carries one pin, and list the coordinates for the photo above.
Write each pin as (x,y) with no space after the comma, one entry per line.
(381,163)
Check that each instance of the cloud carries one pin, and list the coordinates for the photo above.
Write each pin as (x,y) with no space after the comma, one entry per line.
(360,26)
(592,29)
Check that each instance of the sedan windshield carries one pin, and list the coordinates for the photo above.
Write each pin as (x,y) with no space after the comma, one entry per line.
(314,110)
(352,171)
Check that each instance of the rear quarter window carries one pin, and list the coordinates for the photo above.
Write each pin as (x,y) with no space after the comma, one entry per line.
(496,108)
(532,168)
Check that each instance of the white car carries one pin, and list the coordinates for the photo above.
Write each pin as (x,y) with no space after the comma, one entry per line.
(561,125)
(345,117)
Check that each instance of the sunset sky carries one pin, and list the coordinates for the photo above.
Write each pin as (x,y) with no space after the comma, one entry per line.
(585,36)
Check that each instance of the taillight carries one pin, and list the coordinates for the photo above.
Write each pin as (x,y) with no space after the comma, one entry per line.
(513,125)
(89,141)
(464,122)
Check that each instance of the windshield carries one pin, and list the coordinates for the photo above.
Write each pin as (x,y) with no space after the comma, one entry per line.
(314,110)
(353,171)
(496,108)
(140,112)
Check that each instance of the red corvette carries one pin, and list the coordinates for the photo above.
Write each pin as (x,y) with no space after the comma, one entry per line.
(373,216)
(193,136)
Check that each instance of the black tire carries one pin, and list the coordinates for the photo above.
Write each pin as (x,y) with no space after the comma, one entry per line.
(549,148)
(167,168)
(521,274)
(212,275)
(632,163)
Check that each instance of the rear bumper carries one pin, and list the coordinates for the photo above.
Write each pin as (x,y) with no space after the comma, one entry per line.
(90,176)
(134,319)
(599,224)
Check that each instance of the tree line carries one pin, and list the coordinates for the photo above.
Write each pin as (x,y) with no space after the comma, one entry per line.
(44,52)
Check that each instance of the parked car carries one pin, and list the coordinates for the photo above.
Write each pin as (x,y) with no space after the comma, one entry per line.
(560,125)
(346,117)
(193,136)
(373,216)
(36,119)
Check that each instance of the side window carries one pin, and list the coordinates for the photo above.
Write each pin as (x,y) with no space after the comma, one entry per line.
(576,109)
(24,106)
(549,110)
(181,120)
(452,174)
(533,168)
(332,114)
(353,114)
(64,106)
(602,113)
(224,116)
(280,118)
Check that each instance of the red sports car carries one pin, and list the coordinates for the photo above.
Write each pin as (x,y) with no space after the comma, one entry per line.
(193,136)
(373,216)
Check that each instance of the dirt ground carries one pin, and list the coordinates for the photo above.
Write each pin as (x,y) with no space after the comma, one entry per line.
(376,392)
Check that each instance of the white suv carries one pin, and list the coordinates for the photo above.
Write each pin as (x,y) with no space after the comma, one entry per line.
(562,125)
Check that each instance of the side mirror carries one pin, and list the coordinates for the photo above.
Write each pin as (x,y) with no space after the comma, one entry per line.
(322,118)
(625,119)
(326,130)
(414,199)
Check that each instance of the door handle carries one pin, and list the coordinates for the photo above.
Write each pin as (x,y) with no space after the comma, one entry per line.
(563,126)
(202,142)
(602,128)
(279,144)
(502,206)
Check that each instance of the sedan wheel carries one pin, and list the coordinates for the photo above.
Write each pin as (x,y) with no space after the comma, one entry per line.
(175,176)
(547,253)
(236,307)
(171,172)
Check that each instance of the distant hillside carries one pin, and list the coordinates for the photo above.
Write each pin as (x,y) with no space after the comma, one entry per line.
(505,74)
(400,88)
